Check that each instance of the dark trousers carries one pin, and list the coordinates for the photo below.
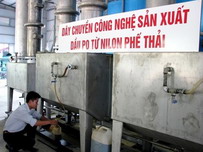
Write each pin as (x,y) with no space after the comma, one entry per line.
(24,139)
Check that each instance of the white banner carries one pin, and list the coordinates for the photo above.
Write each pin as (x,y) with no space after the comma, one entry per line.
(170,28)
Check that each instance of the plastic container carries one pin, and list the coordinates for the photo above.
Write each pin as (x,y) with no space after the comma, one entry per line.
(101,139)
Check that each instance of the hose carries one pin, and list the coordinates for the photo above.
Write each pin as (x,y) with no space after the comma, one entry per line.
(196,85)
(57,97)
(64,73)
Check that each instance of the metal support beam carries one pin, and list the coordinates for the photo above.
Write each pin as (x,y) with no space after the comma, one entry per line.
(10,100)
(85,131)
(116,135)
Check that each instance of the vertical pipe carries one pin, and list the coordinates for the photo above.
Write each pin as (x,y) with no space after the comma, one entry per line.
(91,8)
(65,12)
(20,29)
(34,27)
(154,3)
(44,21)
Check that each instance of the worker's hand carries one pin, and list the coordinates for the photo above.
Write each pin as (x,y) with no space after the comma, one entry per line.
(53,122)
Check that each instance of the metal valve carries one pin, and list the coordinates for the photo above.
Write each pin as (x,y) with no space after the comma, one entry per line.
(71,67)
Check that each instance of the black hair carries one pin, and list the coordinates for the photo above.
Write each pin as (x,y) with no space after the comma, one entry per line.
(32,96)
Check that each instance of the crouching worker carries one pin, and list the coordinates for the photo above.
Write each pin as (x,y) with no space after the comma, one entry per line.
(20,127)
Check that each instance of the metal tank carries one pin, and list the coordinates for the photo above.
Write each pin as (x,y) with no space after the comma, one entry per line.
(155,3)
(160,96)
(21,75)
(20,29)
(91,8)
(85,86)
(34,27)
(65,12)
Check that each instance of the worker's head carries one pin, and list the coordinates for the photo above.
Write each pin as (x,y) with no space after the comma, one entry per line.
(32,99)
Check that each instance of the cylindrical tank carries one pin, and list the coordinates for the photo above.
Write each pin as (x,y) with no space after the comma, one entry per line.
(34,27)
(91,8)
(65,12)
(101,139)
(154,3)
(20,29)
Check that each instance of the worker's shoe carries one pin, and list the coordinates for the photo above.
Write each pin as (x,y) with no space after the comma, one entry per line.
(11,149)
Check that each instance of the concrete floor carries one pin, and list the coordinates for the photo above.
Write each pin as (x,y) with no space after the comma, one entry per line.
(41,144)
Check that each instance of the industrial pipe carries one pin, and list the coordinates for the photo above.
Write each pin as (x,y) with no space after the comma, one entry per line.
(34,27)
(173,91)
(20,29)
(68,67)
(154,3)
(91,8)
(65,12)
(168,70)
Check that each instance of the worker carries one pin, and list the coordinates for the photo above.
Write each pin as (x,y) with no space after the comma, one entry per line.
(20,127)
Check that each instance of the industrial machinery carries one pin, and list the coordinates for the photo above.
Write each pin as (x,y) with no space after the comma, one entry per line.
(159,95)
(21,72)
(76,83)
(155,99)
(155,102)
(80,82)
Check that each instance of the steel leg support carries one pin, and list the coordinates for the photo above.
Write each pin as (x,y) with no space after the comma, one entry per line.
(85,131)
(48,111)
(40,106)
(116,135)
(9,100)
